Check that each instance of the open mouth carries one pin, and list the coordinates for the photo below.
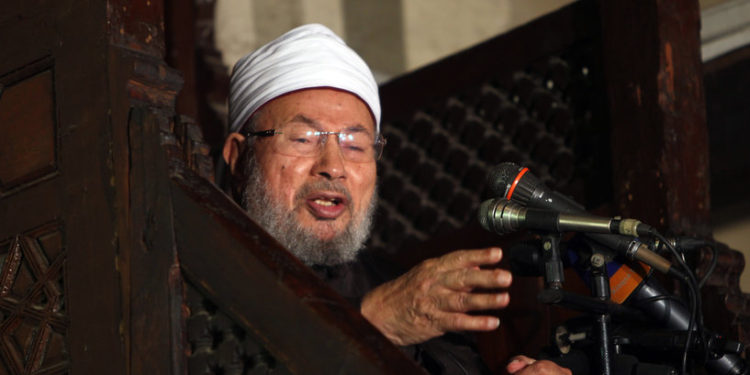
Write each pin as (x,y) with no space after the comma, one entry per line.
(326,206)
(327,202)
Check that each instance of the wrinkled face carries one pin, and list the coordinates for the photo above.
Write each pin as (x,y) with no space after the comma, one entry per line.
(325,192)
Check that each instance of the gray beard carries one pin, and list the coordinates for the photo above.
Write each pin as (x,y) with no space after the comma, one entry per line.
(282,224)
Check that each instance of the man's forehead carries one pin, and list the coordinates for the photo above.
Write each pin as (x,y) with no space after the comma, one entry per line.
(300,107)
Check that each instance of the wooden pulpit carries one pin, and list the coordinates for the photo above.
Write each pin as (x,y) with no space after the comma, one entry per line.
(118,253)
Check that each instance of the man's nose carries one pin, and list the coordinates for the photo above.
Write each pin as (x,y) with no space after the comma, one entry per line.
(330,163)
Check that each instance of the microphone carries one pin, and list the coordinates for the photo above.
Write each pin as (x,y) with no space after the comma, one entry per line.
(503,216)
(517,184)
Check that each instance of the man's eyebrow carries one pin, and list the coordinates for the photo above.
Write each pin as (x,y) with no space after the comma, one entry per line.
(306,120)
(356,128)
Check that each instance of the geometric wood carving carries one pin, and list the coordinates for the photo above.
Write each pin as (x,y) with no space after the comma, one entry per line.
(218,345)
(33,317)
(27,125)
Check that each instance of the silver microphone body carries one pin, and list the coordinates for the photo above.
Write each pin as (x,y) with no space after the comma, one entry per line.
(502,216)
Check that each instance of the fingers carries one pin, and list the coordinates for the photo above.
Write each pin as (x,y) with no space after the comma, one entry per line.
(462,302)
(516,365)
(523,360)
(464,322)
(469,278)
(544,368)
(471,258)
(433,298)
(523,365)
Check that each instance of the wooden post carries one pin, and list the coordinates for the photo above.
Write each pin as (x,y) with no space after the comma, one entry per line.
(653,73)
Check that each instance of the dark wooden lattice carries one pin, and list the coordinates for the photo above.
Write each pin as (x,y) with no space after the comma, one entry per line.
(545,115)
(219,346)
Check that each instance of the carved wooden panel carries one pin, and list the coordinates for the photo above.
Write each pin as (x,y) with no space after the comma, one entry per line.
(33,316)
(28,125)
(220,346)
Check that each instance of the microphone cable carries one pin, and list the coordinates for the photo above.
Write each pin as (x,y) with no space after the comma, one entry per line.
(712,267)
(686,244)
(694,298)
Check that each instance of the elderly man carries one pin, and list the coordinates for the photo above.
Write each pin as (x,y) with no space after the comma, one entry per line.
(305,138)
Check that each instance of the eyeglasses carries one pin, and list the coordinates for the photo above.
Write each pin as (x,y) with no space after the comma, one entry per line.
(301,140)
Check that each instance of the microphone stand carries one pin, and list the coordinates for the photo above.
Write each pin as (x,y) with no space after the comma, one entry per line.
(554,277)
(608,359)
(601,291)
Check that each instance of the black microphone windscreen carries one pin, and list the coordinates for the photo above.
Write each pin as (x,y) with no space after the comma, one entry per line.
(514,182)
(502,176)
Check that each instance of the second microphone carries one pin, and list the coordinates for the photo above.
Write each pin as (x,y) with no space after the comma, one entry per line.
(502,216)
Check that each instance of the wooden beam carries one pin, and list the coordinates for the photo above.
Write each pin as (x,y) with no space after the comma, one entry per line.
(653,72)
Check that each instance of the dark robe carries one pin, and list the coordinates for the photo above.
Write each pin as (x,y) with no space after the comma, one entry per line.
(452,353)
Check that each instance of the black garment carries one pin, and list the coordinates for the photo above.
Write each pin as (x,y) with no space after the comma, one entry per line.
(452,353)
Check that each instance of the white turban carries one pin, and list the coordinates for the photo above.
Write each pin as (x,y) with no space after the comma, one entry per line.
(308,56)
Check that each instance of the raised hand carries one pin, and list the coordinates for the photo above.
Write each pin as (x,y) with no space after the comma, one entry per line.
(435,296)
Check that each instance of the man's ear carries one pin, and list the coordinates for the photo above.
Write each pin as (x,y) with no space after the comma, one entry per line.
(232,149)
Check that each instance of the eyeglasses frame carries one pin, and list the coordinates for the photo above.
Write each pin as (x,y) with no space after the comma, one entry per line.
(379,144)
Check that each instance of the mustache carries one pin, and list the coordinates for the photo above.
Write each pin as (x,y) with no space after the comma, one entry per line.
(314,186)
